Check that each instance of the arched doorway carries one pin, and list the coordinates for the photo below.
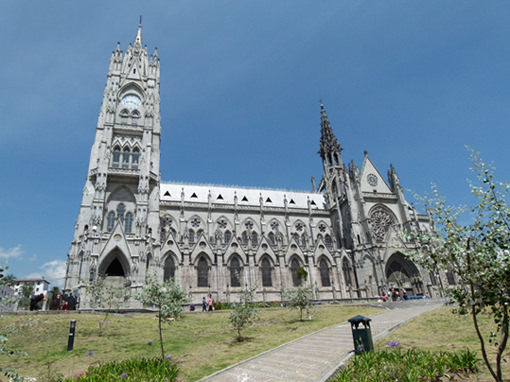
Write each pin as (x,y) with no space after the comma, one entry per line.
(403,273)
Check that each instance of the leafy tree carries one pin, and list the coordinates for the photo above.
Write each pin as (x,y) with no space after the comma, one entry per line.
(244,313)
(299,298)
(26,291)
(104,295)
(478,253)
(167,298)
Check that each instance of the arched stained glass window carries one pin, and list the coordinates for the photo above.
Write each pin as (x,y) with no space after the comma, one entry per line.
(125,157)
(169,269)
(235,272)
(295,236)
(191,234)
(328,241)
(324,269)
(121,209)
(245,237)
(346,268)
(110,221)
(272,238)
(266,273)
(202,273)
(116,157)
(294,266)
(128,224)
(135,158)
(254,238)
(228,236)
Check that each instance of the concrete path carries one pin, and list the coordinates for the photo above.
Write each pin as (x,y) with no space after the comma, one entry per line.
(316,356)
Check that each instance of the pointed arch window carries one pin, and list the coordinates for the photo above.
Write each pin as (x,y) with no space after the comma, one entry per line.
(266,273)
(294,266)
(235,272)
(110,221)
(191,235)
(254,238)
(124,116)
(328,241)
(128,224)
(228,236)
(135,157)
(169,269)
(121,209)
(324,269)
(295,236)
(202,273)
(303,240)
(346,269)
(126,153)
(245,237)
(135,117)
(272,238)
(116,157)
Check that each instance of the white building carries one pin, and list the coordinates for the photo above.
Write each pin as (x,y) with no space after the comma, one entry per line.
(40,286)
(346,233)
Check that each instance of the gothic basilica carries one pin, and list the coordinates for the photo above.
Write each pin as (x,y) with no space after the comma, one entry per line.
(346,233)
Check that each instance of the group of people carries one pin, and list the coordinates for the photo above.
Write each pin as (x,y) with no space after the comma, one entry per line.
(394,294)
(207,305)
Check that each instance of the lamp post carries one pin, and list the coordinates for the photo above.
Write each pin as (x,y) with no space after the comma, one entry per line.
(70,341)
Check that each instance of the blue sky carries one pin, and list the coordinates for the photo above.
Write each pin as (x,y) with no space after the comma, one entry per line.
(411,82)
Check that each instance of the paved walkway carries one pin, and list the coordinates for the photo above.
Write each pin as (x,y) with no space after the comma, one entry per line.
(316,356)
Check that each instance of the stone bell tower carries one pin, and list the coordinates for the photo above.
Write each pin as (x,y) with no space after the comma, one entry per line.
(119,214)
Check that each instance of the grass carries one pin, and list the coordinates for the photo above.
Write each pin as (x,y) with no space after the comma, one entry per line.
(441,330)
(200,343)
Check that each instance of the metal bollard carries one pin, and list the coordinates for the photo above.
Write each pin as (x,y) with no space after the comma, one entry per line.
(70,341)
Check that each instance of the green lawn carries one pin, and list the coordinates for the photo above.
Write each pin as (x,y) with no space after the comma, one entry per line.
(201,343)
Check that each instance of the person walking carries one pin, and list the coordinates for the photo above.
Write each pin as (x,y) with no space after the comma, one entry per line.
(210,303)
(204,305)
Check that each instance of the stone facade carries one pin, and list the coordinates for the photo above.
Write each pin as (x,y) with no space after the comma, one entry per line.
(220,240)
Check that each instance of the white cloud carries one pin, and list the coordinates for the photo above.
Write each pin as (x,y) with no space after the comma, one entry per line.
(11,253)
(52,271)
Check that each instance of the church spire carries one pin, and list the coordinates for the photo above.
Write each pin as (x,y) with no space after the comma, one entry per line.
(330,149)
(138,38)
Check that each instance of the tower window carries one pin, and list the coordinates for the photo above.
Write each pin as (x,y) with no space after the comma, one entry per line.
(116,157)
(135,156)
(125,157)
(110,221)
(128,226)
(121,209)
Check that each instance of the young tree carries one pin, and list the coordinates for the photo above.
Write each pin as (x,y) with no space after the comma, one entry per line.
(299,298)
(478,253)
(244,313)
(167,299)
(26,291)
(106,296)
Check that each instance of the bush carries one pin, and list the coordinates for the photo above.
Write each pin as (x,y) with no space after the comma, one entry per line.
(407,366)
(137,369)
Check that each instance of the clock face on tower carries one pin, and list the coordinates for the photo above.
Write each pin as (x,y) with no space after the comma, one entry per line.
(131,101)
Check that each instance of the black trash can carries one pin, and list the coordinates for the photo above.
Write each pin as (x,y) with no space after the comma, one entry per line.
(362,336)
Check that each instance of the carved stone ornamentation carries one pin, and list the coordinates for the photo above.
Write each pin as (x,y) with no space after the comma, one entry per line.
(381,222)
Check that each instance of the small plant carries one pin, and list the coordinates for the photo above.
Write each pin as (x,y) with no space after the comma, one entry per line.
(300,298)
(243,313)
(167,299)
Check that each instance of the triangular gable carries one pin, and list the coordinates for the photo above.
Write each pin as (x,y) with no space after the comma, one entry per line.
(171,247)
(321,247)
(292,251)
(262,251)
(234,247)
(117,239)
(371,179)
(202,246)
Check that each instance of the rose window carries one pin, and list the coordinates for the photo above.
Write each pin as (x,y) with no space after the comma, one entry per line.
(322,227)
(299,227)
(195,222)
(274,226)
(223,224)
(381,222)
(249,225)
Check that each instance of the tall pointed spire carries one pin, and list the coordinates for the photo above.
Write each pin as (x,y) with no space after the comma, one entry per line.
(329,143)
(138,38)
